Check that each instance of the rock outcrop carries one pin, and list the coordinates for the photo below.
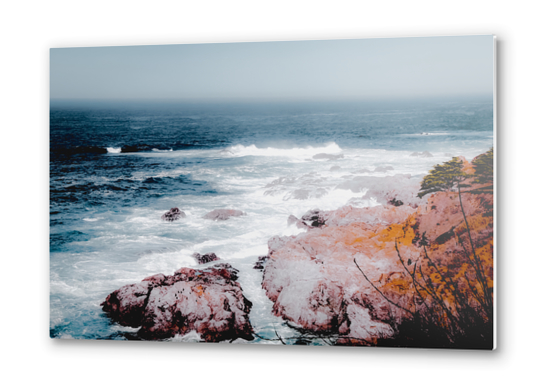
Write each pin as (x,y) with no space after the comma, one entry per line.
(206,258)
(208,301)
(223,214)
(260,264)
(314,282)
(173,214)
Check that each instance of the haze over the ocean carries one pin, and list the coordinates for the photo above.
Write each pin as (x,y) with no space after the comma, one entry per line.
(298,70)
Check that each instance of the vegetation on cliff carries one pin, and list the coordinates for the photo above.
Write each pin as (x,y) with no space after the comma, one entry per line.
(450,284)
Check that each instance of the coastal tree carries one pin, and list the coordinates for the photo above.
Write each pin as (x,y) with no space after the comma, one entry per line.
(444,177)
(483,167)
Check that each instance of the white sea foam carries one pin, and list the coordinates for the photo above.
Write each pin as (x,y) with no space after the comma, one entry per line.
(252,150)
(190,337)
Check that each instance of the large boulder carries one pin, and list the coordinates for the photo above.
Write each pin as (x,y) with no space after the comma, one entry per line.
(223,214)
(313,280)
(208,301)
(173,214)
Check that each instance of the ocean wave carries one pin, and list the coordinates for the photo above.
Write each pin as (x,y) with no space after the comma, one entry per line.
(251,150)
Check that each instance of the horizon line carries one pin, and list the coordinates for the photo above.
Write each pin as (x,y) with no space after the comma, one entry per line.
(252,100)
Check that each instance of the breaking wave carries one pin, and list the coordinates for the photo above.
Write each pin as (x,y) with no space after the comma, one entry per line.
(252,150)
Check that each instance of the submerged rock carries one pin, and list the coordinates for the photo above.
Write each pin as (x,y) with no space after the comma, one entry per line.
(223,214)
(421,154)
(363,170)
(304,194)
(299,194)
(327,156)
(208,301)
(173,214)
(206,258)
(384,169)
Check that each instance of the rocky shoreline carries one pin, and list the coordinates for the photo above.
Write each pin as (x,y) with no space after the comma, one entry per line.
(355,275)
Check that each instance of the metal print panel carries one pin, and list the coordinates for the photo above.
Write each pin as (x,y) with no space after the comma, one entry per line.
(303,193)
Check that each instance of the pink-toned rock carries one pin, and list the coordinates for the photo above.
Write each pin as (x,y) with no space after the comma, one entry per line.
(206,258)
(223,214)
(314,283)
(207,301)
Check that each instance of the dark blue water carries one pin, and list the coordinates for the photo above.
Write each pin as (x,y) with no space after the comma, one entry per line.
(114,168)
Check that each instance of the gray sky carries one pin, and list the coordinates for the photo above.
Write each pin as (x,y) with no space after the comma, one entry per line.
(303,70)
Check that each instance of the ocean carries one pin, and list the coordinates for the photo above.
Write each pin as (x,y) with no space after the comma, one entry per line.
(115,168)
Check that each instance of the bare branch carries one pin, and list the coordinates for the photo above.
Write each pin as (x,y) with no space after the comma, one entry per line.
(378,290)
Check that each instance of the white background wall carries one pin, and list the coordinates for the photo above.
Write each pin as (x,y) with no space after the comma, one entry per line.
(28,29)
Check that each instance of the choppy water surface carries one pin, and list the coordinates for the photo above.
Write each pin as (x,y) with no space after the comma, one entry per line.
(116,169)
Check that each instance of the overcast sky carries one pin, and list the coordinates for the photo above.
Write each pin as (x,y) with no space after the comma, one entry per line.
(303,70)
